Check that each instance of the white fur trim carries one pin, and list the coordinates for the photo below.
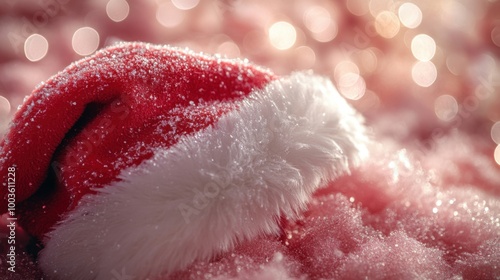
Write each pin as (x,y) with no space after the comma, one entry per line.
(229,182)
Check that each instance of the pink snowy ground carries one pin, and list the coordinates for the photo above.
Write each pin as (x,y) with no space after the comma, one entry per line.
(402,215)
(426,204)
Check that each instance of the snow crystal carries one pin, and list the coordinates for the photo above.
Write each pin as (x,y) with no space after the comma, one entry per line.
(373,223)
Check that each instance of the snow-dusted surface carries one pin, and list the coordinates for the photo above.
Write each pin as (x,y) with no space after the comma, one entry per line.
(215,188)
(404,214)
(396,217)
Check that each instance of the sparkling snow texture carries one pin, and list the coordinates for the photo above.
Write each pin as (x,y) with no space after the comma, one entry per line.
(223,185)
(408,211)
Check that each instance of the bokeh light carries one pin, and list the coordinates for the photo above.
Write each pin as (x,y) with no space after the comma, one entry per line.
(85,41)
(282,35)
(352,86)
(305,57)
(35,47)
(423,47)
(495,132)
(454,14)
(387,24)
(446,107)
(349,82)
(117,10)
(328,34)
(345,67)
(229,49)
(424,73)
(357,7)
(319,21)
(495,36)
(168,16)
(4,107)
(497,155)
(378,6)
(410,15)
(185,4)
(367,60)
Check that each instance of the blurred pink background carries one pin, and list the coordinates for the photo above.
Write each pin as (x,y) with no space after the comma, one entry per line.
(417,70)
(419,65)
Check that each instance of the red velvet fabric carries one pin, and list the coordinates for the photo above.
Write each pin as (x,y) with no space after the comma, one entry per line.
(108,112)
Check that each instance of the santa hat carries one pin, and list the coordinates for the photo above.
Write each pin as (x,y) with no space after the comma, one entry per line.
(150,157)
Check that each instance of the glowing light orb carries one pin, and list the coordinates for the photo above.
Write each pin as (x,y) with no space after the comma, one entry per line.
(282,35)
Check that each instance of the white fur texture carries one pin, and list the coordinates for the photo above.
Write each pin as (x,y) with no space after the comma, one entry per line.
(227,183)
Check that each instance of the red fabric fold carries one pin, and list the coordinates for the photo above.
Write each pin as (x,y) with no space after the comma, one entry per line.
(107,112)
